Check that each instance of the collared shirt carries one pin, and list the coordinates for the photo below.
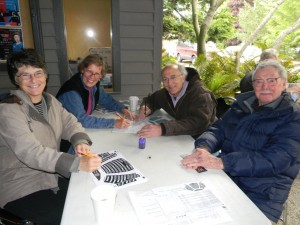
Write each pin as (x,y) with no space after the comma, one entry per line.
(175,99)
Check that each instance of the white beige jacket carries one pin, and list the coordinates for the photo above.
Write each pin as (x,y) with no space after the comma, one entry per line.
(30,159)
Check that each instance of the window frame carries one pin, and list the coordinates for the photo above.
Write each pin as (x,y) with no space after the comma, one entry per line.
(58,13)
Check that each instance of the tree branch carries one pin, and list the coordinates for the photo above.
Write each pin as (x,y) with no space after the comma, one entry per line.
(285,33)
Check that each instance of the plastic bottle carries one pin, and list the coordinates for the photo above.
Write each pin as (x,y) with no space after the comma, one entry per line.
(142,143)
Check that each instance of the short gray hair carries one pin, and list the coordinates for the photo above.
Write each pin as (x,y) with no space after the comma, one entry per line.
(180,67)
(269,54)
(271,63)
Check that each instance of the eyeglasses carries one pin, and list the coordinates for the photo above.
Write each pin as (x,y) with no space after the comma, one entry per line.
(91,73)
(171,78)
(28,76)
(269,81)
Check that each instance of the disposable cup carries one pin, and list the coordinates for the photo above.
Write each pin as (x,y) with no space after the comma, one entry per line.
(103,198)
(133,103)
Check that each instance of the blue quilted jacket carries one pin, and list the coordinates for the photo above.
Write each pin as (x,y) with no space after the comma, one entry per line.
(260,149)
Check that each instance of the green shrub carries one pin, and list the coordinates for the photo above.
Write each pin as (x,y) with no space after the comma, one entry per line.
(218,74)
(167,59)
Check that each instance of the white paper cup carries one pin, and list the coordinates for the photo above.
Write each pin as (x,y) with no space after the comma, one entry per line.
(133,103)
(103,198)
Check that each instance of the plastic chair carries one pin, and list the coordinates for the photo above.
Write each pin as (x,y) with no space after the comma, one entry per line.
(7,218)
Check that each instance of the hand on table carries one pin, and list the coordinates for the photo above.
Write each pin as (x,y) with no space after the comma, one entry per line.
(128,114)
(150,130)
(122,123)
(202,157)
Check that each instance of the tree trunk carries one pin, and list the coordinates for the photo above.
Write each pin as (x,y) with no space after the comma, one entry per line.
(201,32)
(285,33)
(195,18)
(254,34)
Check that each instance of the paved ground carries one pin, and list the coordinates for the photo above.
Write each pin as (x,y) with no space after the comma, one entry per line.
(293,204)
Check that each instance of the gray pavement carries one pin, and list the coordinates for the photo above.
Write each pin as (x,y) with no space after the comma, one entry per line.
(293,204)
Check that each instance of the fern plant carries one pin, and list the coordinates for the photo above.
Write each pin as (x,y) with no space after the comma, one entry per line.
(218,74)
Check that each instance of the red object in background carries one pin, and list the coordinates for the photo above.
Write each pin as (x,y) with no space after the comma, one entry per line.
(186,51)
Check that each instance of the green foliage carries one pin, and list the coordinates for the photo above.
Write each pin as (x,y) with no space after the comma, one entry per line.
(222,28)
(176,24)
(175,29)
(284,17)
(218,74)
(167,59)
(294,78)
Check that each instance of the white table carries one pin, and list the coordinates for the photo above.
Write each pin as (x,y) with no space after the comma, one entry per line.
(160,163)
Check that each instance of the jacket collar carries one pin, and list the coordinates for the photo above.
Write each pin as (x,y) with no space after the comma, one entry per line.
(24,98)
(248,102)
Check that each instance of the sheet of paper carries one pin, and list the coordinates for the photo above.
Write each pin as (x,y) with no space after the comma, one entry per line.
(133,128)
(116,170)
(139,124)
(183,204)
(104,110)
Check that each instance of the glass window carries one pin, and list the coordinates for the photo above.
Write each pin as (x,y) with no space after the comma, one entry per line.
(88,30)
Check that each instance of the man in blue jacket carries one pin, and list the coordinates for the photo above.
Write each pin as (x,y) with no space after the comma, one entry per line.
(259,141)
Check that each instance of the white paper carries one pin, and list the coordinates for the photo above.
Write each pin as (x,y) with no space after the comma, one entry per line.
(183,204)
(139,124)
(103,110)
(116,170)
(133,128)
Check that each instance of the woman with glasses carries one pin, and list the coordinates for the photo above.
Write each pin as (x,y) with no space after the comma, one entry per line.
(259,141)
(82,93)
(33,122)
